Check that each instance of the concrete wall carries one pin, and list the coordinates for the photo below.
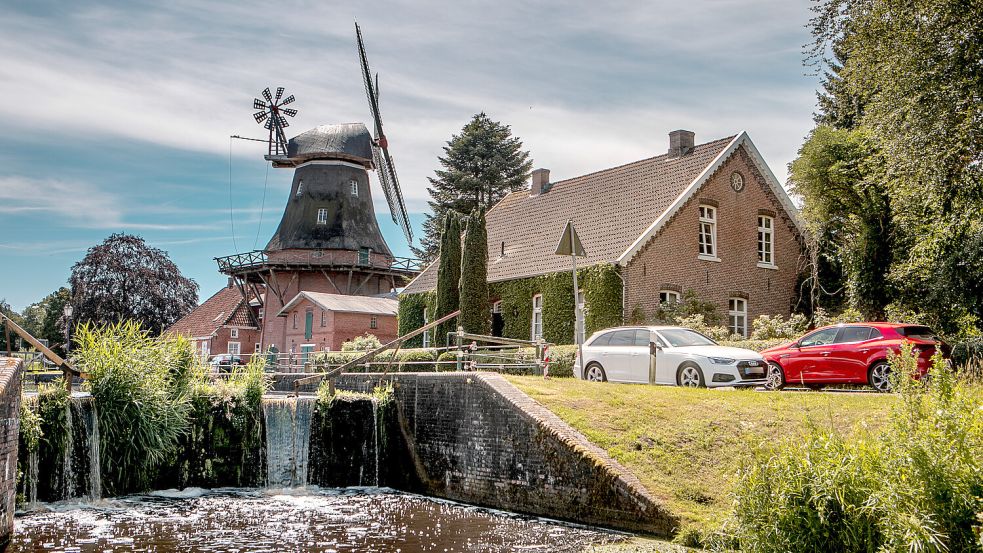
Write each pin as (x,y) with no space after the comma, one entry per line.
(473,437)
(10,384)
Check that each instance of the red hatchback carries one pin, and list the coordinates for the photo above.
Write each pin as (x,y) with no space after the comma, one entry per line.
(853,353)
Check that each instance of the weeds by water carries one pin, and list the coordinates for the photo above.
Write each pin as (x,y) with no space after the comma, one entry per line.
(915,486)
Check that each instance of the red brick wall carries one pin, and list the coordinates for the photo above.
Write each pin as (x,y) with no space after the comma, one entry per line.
(670,259)
(275,328)
(338,327)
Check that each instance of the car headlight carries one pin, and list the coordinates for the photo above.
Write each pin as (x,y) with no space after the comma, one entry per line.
(722,360)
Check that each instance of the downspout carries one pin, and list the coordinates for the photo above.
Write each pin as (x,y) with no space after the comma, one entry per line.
(624,291)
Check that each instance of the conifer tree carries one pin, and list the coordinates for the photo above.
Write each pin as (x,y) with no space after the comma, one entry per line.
(474,276)
(480,165)
(448,275)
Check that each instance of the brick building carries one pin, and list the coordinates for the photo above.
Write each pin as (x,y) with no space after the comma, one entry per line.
(711,218)
(316,321)
(224,323)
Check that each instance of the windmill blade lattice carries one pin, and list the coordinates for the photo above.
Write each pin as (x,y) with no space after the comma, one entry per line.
(380,148)
(271,116)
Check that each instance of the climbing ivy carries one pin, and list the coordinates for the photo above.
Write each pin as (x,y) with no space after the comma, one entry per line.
(410,317)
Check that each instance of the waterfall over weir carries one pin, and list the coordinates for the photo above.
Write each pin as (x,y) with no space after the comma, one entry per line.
(288,433)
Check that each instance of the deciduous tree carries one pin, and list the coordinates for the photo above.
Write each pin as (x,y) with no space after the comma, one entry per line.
(125,279)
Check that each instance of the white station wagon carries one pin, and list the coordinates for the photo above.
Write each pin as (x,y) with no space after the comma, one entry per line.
(682,356)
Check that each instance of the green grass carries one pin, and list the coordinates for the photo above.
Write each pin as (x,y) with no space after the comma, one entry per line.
(686,445)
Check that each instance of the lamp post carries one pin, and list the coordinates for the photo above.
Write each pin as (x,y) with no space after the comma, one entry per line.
(68,327)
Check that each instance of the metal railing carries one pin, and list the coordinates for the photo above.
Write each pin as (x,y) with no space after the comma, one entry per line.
(318,258)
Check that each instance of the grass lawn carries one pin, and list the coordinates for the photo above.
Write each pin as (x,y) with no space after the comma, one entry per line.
(685,445)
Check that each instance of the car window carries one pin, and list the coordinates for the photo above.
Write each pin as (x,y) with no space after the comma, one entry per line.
(602,340)
(917,332)
(851,334)
(642,338)
(875,334)
(819,338)
(682,337)
(623,338)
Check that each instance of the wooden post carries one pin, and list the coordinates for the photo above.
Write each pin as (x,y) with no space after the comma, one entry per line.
(6,335)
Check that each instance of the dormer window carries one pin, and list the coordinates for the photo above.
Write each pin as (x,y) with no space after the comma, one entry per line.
(354,185)
(322,216)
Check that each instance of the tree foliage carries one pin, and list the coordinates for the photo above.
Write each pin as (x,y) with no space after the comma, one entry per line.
(125,279)
(14,316)
(905,77)
(480,165)
(474,276)
(45,319)
(448,297)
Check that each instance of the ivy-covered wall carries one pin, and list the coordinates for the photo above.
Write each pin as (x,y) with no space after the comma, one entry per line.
(602,288)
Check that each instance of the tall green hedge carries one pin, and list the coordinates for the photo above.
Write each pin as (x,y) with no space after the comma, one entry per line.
(474,316)
(447,299)
(411,317)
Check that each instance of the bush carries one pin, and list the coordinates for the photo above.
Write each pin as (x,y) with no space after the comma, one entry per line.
(915,486)
(366,342)
(777,327)
(754,345)
(410,360)
(699,323)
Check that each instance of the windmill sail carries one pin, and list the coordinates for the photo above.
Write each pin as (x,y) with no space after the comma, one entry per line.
(380,149)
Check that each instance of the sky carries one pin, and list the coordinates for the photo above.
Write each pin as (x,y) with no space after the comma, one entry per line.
(117,115)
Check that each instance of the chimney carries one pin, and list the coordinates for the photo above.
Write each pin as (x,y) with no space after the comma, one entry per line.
(681,142)
(540,182)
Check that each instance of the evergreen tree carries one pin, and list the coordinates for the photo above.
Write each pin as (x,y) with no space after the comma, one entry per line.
(448,276)
(475,317)
(480,165)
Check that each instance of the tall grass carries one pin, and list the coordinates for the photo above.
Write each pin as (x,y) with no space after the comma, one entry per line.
(915,486)
(142,386)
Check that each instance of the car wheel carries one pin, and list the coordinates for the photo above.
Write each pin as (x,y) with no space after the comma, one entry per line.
(776,377)
(595,373)
(690,376)
(879,376)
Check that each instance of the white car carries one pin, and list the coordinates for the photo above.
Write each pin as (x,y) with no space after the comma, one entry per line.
(683,357)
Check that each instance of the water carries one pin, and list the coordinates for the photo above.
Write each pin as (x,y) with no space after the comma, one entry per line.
(300,520)
(288,433)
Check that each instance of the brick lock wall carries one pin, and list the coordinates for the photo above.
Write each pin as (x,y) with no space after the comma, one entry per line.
(473,437)
(10,384)
(670,259)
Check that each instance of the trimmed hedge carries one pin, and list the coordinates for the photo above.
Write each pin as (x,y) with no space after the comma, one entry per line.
(756,345)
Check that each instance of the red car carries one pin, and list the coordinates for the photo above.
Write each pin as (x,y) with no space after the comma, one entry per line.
(854,353)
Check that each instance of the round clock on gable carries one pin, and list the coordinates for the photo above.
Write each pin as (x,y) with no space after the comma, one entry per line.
(737,181)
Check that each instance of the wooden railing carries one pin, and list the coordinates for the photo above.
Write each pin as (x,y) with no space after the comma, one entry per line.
(68,370)
(321,258)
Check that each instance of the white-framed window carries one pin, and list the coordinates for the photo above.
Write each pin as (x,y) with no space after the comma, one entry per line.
(708,232)
(322,216)
(300,188)
(261,313)
(204,349)
(537,317)
(374,322)
(737,316)
(581,314)
(323,319)
(766,240)
(258,348)
(295,319)
(668,296)
(233,333)
(497,307)
(234,348)
(426,333)
(354,185)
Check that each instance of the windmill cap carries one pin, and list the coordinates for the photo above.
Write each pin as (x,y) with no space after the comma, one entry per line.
(348,141)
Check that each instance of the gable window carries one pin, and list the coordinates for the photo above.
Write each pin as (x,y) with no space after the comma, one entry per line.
(766,241)
(354,185)
(537,317)
(374,322)
(234,348)
(261,313)
(668,296)
(295,319)
(322,216)
(708,233)
(234,333)
(323,322)
(737,316)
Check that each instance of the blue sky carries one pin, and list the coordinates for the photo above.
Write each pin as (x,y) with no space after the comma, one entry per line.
(117,115)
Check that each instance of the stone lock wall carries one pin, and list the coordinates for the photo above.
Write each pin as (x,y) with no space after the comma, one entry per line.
(10,384)
(473,437)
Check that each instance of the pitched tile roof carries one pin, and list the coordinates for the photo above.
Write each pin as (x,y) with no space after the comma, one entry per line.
(349,304)
(225,307)
(610,209)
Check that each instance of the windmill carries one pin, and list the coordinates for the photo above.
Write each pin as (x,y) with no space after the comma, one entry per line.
(271,116)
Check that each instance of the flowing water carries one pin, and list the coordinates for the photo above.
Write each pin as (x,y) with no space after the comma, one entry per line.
(288,433)
(299,520)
